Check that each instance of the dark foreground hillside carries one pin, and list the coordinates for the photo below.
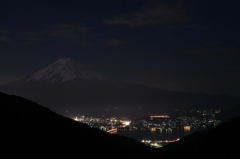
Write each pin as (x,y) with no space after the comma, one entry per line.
(30,130)
(219,142)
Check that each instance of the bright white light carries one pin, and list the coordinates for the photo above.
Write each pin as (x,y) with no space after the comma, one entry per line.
(125,123)
(76,119)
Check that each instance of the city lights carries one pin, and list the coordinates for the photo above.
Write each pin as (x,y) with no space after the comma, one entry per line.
(158,124)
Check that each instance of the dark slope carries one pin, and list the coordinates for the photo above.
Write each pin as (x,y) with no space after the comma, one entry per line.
(28,129)
(229,113)
(219,142)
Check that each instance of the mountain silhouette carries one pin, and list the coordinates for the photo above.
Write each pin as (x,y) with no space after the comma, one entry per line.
(218,142)
(30,130)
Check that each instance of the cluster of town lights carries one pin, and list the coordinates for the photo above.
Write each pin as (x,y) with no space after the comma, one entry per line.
(160,141)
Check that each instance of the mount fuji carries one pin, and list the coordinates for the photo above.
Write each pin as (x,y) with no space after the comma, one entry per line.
(69,88)
(64,70)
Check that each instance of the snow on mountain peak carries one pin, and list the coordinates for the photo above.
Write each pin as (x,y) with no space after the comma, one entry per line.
(63,70)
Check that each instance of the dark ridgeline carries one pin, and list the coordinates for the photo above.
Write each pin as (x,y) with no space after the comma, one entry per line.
(30,130)
(66,85)
(218,142)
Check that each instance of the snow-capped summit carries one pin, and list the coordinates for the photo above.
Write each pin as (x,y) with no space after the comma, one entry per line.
(63,70)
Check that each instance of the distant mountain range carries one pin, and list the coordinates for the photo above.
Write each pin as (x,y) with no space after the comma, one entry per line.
(69,88)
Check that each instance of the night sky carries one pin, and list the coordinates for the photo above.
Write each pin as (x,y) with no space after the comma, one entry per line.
(183,45)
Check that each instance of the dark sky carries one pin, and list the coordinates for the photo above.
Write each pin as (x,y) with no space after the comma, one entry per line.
(184,45)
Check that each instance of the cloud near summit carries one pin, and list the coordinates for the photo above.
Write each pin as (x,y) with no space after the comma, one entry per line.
(69,30)
(153,13)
